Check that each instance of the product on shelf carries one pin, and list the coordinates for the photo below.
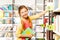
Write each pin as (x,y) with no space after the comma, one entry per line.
(16,13)
(11,15)
(15,7)
(8,34)
(1,13)
(10,7)
(8,21)
(4,8)
(8,14)
(1,21)
(1,34)
(9,28)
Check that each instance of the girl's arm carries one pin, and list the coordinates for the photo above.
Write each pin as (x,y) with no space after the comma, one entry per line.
(38,15)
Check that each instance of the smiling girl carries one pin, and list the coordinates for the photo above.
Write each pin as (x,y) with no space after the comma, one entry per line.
(26,22)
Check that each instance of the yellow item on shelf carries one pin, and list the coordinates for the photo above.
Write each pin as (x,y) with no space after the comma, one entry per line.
(1,13)
(50,27)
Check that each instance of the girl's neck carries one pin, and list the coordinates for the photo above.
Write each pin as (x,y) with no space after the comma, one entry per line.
(24,18)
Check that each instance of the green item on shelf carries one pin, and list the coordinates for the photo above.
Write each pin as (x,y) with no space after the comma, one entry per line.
(3,21)
(42,25)
(52,19)
(28,31)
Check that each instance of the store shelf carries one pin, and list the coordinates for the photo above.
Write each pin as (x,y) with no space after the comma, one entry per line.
(57,33)
(6,24)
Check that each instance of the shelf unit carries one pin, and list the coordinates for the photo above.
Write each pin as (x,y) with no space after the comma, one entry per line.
(6,28)
(56,22)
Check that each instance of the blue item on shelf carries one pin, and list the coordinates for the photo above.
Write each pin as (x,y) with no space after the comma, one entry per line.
(10,7)
(6,14)
(4,8)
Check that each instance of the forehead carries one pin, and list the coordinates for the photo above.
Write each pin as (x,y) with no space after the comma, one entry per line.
(23,9)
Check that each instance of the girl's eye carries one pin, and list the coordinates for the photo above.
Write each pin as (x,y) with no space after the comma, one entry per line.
(26,11)
(22,12)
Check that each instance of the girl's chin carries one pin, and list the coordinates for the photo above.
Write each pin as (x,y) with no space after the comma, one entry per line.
(26,17)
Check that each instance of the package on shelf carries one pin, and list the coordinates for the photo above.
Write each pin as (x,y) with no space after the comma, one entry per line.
(4,7)
(8,21)
(1,34)
(5,28)
(8,14)
(10,7)
(8,34)
(16,14)
(2,28)
(15,7)
(1,21)
(10,28)
(1,13)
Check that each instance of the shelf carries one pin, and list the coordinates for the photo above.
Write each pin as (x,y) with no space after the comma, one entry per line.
(7,31)
(6,18)
(57,13)
(57,33)
(6,25)
(6,38)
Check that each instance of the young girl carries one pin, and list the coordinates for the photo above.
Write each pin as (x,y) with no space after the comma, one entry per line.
(26,21)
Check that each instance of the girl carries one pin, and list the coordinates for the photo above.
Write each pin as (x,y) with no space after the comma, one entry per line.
(26,21)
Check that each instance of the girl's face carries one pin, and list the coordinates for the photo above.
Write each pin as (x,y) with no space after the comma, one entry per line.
(24,13)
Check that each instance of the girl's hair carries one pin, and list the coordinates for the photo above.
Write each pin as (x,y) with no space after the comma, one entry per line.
(21,7)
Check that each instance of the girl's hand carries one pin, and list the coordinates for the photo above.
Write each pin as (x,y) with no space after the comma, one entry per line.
(30,35)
